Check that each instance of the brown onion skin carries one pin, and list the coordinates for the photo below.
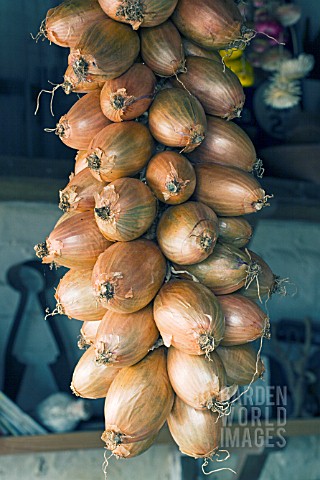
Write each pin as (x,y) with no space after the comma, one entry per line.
(71,82)
(162,50)
(121,150)
(217,88)
(108,48)
(80,161)
(130,450)
(74,243)
(226,144)
(88,333)
(187,314)
(244,320)
(236,231)
(128,277)
(177,119)
(187,233)
(139,402)
(82,122)
(230,192)
(125,209)
(90,380)
(171,177)
(198,381)
(125,339)
(76,296)
(267,281)
(130,95)
(240,363)
(224,271)
(212,24)
(197,432)
(79,193)
(193,50)
(65,23)
(153,12)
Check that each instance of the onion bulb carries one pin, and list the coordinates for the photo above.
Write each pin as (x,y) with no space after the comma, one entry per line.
(124,339)
(189,317)
(241,363)
(218,88)
(244,320)
(128,277)
(65,23)
(162,50)
(80,161)
(119,150)
(124,209)
(130,95)
(227,144)
(107,48)
(236,231)
(171,177)
(90,380)
(139,13)
(193,50)
(88,333)
(197,432)
(82,122)
(212,24)
(187,233)
(139,402)
(177,119)
(224,271)
(72,84)
(74,243)
(267,283)
(79,193)
(229,191)
(199,382)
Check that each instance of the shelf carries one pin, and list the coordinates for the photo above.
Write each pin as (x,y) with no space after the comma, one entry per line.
(86,440)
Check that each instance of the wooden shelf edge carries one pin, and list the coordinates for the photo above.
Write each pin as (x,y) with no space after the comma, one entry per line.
(83,440)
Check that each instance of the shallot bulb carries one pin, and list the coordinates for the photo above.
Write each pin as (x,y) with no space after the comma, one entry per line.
(72,84)
(88,333)
(193,50)
(189,317)
(124,209)
(171,177)
(267,283)
(236,231)
(177,119)
(241,363)
(80,161)
(128,277)
(125,339)
(139,402)
(187,233)
(245,321)
(130,450)
(79,193)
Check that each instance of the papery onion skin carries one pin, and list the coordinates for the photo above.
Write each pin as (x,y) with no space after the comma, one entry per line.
(224,271)
(197,432)
(128,277)
(74,243)
(193,50)
(125,339)
(130,450)
(236,231)
(139,402)
(72,84)
(226,144)
(212,24)
(162,50)
(177,119)
(188,317)
(171,177)
(79,193)
(75,296)
(90,380)
(125,209)
(187,233)
(217,88)
(268,283)
(197,380)
(65,23)
(130,95)
(88,333)
(82,122)
(138,13)
(240,362)
(108,48)
(245,321)
(230,192)
(121,150)
(80,161)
